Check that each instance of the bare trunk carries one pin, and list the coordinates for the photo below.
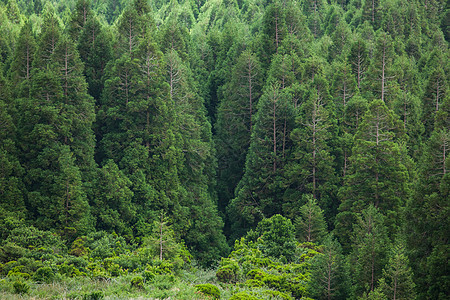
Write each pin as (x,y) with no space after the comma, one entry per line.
(161,241)
(274,136)
(382,74)
(437,96)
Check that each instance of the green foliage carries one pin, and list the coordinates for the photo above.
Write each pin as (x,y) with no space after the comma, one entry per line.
(243,296)
(208,290)
(44,275)
(21,287)
(137,282)
(310,225)
(95,295)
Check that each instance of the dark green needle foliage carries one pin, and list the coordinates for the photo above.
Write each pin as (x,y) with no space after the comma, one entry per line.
(330,277)
(277,121)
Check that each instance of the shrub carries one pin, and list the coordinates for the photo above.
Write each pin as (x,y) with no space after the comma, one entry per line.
(21,287)
(95,295)
(243,296)
(137,282)
(164,282)
(208,290)
(44,274)
(148,275)
(228,273)
(278,295)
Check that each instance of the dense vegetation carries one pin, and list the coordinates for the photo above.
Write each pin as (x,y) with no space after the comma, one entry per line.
(250,149)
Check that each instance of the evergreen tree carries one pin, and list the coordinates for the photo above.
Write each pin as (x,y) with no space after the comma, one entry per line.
(48,39)
(79,18)
(330,278)
(427,216)
(377,174)
(370,244)
(312,167)
(235,120)
(259,191)
(94,46)
(310,224)
(21,66)
(112,206)
(359,60)
(397,281)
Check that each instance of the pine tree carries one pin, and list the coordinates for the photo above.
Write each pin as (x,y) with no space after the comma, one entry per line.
(21,66)
(112,206)
(235,120)
(258,192)
(397,281)
(48,39)
(310,224)
(94,46)
(426,214)
(377,174)
(330,278)
(380,70)
(312,167)
(369,250)
(359,60)
(79,18)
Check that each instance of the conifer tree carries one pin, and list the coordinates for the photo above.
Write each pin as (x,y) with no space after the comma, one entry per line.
(312,167)
(48,39)
(330,278)
(370,244)
(79,18)
(94,46)
(258,194)
(310,224)
(377,174)
(426,214)
(235,120)
(21,66)
(397,281)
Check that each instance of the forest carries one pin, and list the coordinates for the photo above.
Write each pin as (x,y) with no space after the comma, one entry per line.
(224,149)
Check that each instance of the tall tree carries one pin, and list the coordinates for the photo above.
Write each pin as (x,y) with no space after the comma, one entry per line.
(258,192)
(310,224)
(330,278)
(369,250)
(79,18)
(397,281)
(312,168)
(94,46)
(378,173)
(427,216)
(22,63)
(235,120)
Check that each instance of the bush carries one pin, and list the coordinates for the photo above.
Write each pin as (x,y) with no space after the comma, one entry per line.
(164,282)
(227,273)
(95,295)
(21,287)
(243,296)
(44,274)
(137,282)
(208,290)
(148,275)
